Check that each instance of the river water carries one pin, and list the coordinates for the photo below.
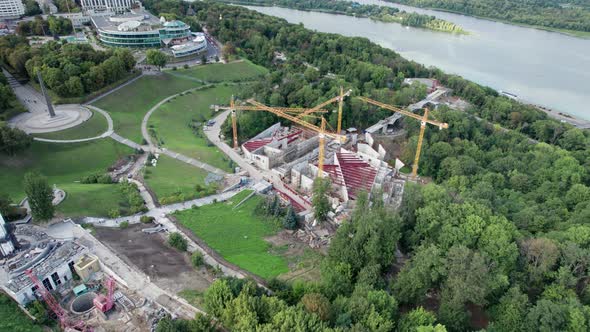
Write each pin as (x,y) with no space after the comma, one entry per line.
(541,67)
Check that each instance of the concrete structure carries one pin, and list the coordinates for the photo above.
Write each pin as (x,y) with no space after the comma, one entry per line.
(116,6)
(47,6)
(10,9)
(291,154)
(6,239)
(86,266)
(279,145)
(52,262)
(138,28)
(196,45)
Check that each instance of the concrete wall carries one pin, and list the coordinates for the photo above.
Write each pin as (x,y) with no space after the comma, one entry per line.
(26,295)
(85,271)
(268,131)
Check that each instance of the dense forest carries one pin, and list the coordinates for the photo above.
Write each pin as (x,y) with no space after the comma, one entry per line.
(380,13)
(499,239)
(69,70)
(559,14)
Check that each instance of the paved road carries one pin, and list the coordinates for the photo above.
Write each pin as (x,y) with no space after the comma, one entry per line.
(125,141)
(213,134)
(27,95)
(175,155)
(163,210)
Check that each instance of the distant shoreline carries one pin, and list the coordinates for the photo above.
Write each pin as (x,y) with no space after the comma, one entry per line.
(336,12)
(566,32)
(564,117)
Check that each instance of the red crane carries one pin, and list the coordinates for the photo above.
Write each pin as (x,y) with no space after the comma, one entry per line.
(103,303)
(61,314)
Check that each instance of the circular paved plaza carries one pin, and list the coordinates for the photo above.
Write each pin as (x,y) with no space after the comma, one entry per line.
(66,116)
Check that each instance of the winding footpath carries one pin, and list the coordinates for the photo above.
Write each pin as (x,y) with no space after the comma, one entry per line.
(175,155)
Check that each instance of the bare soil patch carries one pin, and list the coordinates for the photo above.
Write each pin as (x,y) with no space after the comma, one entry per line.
(150,253)
(303,261)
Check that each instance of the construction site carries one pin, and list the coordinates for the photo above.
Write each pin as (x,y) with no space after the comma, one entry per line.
(291,158)
(78,289)
(114,279)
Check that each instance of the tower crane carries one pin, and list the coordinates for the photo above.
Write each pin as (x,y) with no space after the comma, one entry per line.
(423,121)
(339,98)
(322,133)
(52,303)
(235,108)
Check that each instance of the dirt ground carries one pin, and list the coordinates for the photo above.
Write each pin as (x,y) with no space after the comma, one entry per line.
(302,260)
(167,267)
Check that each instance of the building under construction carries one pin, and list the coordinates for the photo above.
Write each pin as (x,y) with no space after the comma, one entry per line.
(50,260)
(293,155)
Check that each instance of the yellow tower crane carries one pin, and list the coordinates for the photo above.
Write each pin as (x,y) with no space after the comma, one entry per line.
(320,130)
(423,121)
(234,108)
(339,99)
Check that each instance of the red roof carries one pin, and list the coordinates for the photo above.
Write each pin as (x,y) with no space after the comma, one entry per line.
(255,144)
(352,172)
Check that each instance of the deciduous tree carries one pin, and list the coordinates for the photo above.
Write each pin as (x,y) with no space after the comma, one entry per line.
(40,196)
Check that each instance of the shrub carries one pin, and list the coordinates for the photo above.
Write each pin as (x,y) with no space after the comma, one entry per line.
(114,213)
(124,224)
(197,259)
(174,68)
(146,219)
(177,241)
(105,179)
(185,66)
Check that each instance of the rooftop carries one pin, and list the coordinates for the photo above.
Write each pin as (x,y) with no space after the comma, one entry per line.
(255,144)
(43,259)
(136,20)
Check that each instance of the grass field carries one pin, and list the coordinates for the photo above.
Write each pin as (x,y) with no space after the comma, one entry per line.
(13,319)
(89,200)
(63,164)
(237,234)
(235,71)
(128,105)
(193,297)
(93,127)
(171,176)
(171,122)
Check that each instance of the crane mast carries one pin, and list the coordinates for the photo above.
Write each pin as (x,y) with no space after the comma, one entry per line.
(424,120)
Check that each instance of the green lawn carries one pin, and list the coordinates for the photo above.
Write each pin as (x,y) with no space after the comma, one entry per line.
(13,319)
(237,234)
(128,105)
(171,123)
(63,164)
(93,127)
(172,176)
(90,200)
(235,71)
(193,297)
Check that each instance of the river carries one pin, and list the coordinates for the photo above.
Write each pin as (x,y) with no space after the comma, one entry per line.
(541,67)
